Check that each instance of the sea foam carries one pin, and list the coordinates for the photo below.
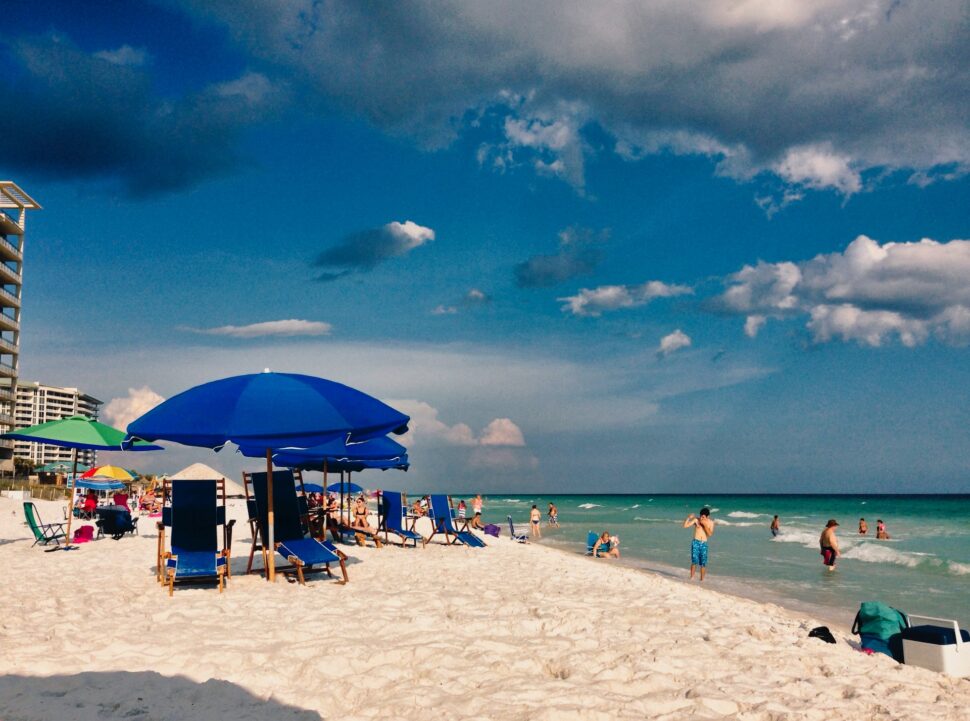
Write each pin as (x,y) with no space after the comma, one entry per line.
(590,505)
(744,514)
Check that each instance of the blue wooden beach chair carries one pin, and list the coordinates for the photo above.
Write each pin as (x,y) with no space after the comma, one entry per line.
(393,510)
(305,555)
(442,521)
(591,539)
(194,511)
(516,535)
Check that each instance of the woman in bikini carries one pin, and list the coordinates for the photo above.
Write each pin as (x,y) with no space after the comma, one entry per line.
(360,523)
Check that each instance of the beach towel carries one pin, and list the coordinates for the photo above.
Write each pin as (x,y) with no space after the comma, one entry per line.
(492,530)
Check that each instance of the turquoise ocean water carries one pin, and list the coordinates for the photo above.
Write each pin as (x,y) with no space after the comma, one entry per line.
(924,568)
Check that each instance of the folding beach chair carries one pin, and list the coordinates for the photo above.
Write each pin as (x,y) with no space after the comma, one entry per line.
(44,533)
(442,521)
(304,554)
(194,511)
(516,536)
(392,509)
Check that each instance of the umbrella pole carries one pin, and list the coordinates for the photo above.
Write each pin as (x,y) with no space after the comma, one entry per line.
(70,501)
(326,501)
(270,517)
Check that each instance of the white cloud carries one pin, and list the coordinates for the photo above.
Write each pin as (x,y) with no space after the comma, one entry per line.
(502,432)
(866,294)
(409,234)
(125,55)
(673,342)
(498,458)
(119,412)
(594,302)
(818,167)
(753,324)
(280,328)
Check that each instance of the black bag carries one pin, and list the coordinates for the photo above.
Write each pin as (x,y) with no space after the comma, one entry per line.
(822,633)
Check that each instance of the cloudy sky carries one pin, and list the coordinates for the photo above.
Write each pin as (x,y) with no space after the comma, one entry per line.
(665,246)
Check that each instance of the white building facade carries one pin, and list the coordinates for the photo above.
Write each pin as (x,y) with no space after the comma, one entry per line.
(38,403)
(14,204)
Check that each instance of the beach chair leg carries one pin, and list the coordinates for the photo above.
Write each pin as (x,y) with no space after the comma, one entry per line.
(171,582)
(343,570)
(221,579)
(299,569)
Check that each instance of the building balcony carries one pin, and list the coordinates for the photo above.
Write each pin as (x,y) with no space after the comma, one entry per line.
(7,394)
(9,275)
(9,251)
(8,370)
(8,226)
(8,346)
(6,443)
(9,299)
(8,323)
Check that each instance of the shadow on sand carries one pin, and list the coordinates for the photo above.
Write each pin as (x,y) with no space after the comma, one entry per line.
(141,696)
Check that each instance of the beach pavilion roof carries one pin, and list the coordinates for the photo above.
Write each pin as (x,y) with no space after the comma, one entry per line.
(202,472)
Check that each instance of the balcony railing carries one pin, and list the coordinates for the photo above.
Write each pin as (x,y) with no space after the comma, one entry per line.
(10,346)
(10,250)
(8,323)
(11,297)
(9,275)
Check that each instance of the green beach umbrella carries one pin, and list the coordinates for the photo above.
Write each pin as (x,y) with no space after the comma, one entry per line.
(79,433)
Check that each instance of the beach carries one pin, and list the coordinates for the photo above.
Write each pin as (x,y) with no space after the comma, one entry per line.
(507,632)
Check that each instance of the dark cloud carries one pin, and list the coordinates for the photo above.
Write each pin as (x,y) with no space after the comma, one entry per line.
(93,116)
(815,93)
(366,249)
(579,254)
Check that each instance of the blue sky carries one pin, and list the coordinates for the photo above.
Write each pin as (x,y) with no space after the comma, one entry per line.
(637,247)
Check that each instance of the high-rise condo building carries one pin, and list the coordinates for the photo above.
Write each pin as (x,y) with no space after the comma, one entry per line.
(14,204)
(38,403)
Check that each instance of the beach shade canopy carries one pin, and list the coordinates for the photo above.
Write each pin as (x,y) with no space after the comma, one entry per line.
(313,488)
(60,467)
(202,472)
(97,484)
(339,455)
(108,473)
(268,411)
(347,487)
(80,433)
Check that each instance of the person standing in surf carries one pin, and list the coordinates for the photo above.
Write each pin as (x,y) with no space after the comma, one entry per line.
(775,526)
(534,518)
(829,544)
(703,527)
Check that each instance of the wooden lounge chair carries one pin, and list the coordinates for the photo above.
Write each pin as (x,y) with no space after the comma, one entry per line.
(443,521)
(44,533)
(392,509)
(305,555)
(194,511)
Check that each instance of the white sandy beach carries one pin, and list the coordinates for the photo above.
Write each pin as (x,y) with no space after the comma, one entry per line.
(507,632)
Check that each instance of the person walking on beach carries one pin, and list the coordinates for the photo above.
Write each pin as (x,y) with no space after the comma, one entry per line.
(881,534)
(703,529)
(553,515)
(829,544)
(477,504)
(863,527)
(535,517)
(775,526)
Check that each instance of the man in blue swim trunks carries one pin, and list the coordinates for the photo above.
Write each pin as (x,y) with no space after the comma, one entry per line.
(703,528)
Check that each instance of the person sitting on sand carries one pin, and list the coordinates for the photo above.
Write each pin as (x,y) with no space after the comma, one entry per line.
(476,522)
(829,544)
(881,534)
(863,527)
(553,515)
(603,548)
(534,518)
(703,528)
(775,526)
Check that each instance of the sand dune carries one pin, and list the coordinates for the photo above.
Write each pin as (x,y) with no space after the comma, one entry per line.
(507,632)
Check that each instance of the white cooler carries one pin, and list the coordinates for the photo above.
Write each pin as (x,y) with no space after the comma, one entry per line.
(939,646)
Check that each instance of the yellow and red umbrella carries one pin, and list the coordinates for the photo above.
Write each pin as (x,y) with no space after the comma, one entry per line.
(113,473)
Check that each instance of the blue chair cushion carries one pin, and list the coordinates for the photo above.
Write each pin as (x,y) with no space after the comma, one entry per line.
(193,563)
(309,551)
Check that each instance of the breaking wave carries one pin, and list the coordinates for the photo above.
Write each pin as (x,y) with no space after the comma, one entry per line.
(590,505)
(745,514)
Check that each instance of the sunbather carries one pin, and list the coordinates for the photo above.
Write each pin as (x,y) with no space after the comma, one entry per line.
(476,522)
(603,549)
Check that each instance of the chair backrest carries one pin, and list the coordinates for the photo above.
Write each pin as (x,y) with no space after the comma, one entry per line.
(194,515)
(392,507)
(286,512)
(33,519)
(440,510)
(121,499)
(591,540)
(511,526)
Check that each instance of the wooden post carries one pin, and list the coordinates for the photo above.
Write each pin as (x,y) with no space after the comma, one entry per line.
(270,518)
(70,502)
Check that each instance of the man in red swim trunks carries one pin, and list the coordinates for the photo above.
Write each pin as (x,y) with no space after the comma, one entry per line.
(829,544)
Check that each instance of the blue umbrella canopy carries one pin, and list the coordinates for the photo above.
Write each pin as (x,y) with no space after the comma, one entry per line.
(339,455)
(348,487)
(268,411)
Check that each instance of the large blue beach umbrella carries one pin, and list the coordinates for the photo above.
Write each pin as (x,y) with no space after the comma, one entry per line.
(270,412)
(351,487)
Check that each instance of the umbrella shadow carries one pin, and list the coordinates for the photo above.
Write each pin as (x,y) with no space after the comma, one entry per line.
(135,695)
